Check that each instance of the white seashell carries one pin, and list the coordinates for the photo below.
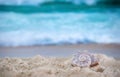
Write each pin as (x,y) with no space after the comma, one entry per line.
(84,59)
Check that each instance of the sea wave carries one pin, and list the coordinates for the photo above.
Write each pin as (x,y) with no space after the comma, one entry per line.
(58,28)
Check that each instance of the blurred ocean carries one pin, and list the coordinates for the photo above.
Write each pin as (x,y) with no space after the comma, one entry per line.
(43,27)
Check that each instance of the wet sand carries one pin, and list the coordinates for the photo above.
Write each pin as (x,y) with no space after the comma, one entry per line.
(60,50)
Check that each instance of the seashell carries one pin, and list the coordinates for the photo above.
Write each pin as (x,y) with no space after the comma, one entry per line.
(84,59)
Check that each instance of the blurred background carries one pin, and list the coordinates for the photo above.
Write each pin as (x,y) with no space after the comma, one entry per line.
(58,22)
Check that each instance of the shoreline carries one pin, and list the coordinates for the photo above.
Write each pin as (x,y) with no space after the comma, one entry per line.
(60,50)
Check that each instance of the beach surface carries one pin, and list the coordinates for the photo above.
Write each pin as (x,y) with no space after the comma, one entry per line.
(38,66)
(55,61)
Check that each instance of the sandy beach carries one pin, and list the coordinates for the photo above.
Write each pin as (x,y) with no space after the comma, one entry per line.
(40,66)
(55,61)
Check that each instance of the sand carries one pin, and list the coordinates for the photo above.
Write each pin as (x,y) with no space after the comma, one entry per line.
(40,66)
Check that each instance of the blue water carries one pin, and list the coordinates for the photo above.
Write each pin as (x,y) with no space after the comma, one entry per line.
(18,29)
(37,2)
